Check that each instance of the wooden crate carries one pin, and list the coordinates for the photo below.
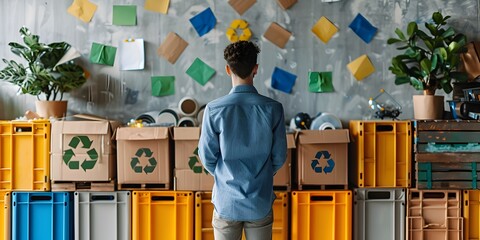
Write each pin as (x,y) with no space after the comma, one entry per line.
(447,154)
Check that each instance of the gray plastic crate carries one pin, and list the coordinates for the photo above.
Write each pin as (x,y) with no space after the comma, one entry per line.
(102,215)
(379,213)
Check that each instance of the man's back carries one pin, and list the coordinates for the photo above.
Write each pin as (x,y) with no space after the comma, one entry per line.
(251,136)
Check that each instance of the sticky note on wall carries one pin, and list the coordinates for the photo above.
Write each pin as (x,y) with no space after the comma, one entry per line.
(241,6)
(363,28)
(163,85)
(82,9)
(102,54)
(124,15)
(277,35)
(324,29)
(361,67)
(286,4)
(320,82)
(200,71)
(204,22)
(172,47)
(283,80)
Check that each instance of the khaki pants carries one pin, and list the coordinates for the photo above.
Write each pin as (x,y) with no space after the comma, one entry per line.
(232,230)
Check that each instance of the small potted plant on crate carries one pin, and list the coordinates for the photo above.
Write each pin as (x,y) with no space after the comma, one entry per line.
(47,72)
(429,62)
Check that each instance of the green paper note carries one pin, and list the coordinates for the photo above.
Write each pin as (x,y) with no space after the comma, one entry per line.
(320,82)
(200,71)
(163,85)
(102,54)
(125,15)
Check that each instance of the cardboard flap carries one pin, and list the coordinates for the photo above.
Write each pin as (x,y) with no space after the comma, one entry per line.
(324,136)
(186,133)
(290,141)
(83,127)
(145,133)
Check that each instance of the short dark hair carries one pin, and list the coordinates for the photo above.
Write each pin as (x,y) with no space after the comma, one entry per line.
(241,56)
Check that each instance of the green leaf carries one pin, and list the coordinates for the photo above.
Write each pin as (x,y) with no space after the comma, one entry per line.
(400,34)
(429,44)
(446,85)
(412,28)
(422,35)
(432,28)
(393,40)
(434,62)
(411,53)
(426,65)
(437,17)
(416,83)
(453,47)
(441,52)
(448,33)
(402,80)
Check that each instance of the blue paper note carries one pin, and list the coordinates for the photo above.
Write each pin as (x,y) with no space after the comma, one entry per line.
(204,22)
(363,28)
(283,80)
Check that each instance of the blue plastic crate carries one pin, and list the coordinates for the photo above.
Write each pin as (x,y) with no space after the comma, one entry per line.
(42,215)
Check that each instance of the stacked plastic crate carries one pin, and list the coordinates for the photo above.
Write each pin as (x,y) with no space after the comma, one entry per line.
(381,153)
(447,154)
(28,208)
(322,207)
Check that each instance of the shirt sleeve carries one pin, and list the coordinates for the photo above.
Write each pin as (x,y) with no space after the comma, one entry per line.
(279,147)
(208,146)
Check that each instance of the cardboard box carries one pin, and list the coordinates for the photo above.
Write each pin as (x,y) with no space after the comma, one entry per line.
(284,174)
(144,155)
(83,151)
(189,171)
(322,157)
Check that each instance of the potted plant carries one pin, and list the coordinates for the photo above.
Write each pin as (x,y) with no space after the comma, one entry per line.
(429,62)
(48,74)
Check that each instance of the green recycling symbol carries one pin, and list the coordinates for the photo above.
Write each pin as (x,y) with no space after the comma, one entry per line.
(195,164)
(69,154)
(135,162)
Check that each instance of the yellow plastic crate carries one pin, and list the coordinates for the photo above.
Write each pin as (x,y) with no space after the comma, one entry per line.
(5,219)
(471,214)
(204,212)
(162,215)
(381,153)
(25,155)
(325,215)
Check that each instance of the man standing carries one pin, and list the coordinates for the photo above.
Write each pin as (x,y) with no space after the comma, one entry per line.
(243,144)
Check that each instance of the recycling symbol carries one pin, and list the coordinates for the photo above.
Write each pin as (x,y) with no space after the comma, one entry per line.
(135,162)
(195,164)
(319,156)
(75,163)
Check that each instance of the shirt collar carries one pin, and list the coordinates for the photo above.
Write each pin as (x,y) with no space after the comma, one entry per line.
(244,88)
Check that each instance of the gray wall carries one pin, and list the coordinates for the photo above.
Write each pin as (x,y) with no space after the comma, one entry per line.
(303,53)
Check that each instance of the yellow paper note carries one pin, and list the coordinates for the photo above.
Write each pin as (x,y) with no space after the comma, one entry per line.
(160,6)
(324,29)
(82,9)
(361,67)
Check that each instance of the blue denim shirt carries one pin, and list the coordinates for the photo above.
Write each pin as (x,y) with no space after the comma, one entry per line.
(243,144)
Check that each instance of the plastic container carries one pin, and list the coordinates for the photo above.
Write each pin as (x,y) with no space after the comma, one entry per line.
(162,215)
(471,214)
(102,215)
(374,207)
(25,155)
(381,153)
(434,214)
(5,215)
(325,215)
(45,215)
(204,214)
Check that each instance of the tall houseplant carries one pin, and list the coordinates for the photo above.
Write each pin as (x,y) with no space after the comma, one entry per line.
(46,75)
(429,61)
